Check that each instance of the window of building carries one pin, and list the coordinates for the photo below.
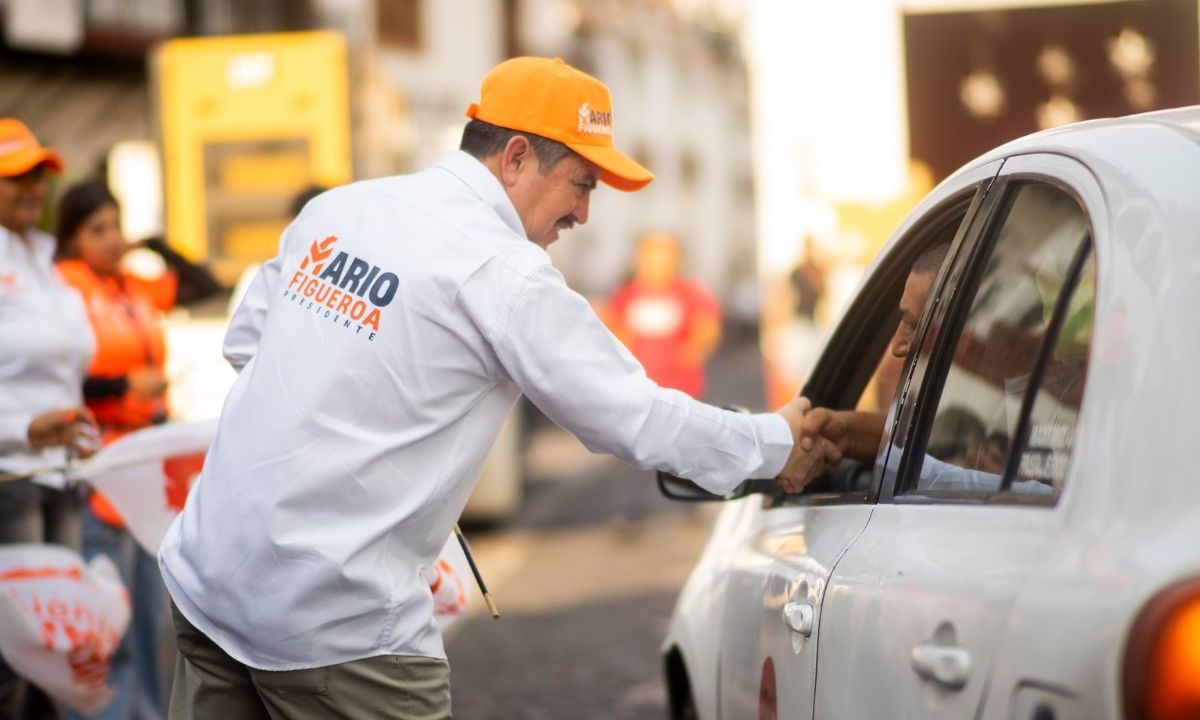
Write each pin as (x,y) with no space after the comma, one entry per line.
(399,23)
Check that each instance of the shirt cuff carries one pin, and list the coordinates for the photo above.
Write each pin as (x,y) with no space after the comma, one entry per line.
(14,432)
(776,437)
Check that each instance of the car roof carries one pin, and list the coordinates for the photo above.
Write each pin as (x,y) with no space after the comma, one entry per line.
(1094,138)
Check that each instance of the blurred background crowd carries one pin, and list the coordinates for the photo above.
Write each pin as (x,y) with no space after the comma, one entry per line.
(789,139)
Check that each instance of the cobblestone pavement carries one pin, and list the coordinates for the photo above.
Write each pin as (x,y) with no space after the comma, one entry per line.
(585,578)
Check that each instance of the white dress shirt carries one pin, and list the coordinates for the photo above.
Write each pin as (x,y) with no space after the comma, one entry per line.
(938,476)
(376,369)
(46,344)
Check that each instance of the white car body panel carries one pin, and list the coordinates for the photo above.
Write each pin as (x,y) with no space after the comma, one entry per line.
(1041,597)
(788,559)
(932,579)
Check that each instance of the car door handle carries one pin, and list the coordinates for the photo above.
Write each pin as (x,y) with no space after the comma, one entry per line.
(799,617)
(949,666)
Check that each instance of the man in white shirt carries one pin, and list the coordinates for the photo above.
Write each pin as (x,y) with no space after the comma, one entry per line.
(379,353)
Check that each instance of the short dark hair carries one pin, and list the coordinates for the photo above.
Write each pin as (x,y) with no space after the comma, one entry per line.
(304,197)
(483,140)
(74,208)
(931,260)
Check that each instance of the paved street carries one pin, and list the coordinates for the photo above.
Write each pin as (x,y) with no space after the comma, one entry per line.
(585,579)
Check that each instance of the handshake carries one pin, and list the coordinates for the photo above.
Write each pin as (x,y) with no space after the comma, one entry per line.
(822,437)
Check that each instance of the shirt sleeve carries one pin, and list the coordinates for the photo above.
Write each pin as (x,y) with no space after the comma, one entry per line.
(942,476)
(246,325)
(559,353)
(14,432)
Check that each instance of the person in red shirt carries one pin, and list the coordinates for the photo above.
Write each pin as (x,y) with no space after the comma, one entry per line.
(671,324)
(126,390)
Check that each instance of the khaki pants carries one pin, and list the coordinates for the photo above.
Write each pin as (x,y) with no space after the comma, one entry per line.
(210,685)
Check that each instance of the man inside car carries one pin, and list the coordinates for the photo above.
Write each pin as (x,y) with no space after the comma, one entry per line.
(857,434)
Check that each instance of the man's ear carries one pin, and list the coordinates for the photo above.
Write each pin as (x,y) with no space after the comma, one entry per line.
(514,159)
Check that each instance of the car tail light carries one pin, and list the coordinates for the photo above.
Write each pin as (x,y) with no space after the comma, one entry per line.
(1162,657)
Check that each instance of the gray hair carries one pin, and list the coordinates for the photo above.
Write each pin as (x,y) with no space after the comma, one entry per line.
(482,140)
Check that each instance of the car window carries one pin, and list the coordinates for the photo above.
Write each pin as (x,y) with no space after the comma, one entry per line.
(1001,354)
(858,371)
(1041,456)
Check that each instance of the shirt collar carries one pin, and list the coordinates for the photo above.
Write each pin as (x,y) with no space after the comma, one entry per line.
(39,246)
(476,176)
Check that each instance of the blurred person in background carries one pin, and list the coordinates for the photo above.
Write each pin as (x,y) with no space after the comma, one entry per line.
(45,347)
(671,324)
(806,287)
(807,282)
(126,390)
(791,330)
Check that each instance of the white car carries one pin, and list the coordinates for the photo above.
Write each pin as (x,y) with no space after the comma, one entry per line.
(1025,541)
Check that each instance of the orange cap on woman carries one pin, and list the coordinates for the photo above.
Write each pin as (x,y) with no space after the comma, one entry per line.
(20,151)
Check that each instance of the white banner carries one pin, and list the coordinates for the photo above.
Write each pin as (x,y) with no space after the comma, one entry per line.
(61,621)
(146,475)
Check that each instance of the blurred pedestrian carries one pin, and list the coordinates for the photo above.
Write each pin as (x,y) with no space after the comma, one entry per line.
(792,322)
(807,282)
(379,353)
(45,347)
(671,324)
(126,390)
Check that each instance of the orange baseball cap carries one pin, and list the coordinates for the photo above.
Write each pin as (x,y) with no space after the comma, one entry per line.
(552,99)
(20,151)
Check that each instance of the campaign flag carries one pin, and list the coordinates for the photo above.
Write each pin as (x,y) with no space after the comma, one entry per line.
(448,580)
(61,621)
(146,475)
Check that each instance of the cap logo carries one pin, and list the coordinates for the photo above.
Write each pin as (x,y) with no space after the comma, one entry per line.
(12,146)
(594,122)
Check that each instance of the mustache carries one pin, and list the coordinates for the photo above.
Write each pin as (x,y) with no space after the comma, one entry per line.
(565,223)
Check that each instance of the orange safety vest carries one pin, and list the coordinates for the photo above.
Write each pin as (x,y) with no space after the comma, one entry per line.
(126,316)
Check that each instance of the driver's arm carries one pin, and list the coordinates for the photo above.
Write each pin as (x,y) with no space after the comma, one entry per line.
(854,432)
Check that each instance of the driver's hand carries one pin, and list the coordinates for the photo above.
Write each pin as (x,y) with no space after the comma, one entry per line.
(809,460)
(829,424)
(812,452)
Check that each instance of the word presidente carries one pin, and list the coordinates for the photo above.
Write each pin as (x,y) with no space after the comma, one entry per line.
(348,289)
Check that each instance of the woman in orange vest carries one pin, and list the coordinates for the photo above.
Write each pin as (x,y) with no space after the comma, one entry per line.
(125,389)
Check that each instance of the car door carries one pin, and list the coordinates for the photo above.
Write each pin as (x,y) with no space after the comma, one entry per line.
(973,464)
(768,648)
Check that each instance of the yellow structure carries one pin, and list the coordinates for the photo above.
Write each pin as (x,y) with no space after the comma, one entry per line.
(248,122)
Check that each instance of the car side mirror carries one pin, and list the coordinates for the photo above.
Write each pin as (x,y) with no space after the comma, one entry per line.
(677,488)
